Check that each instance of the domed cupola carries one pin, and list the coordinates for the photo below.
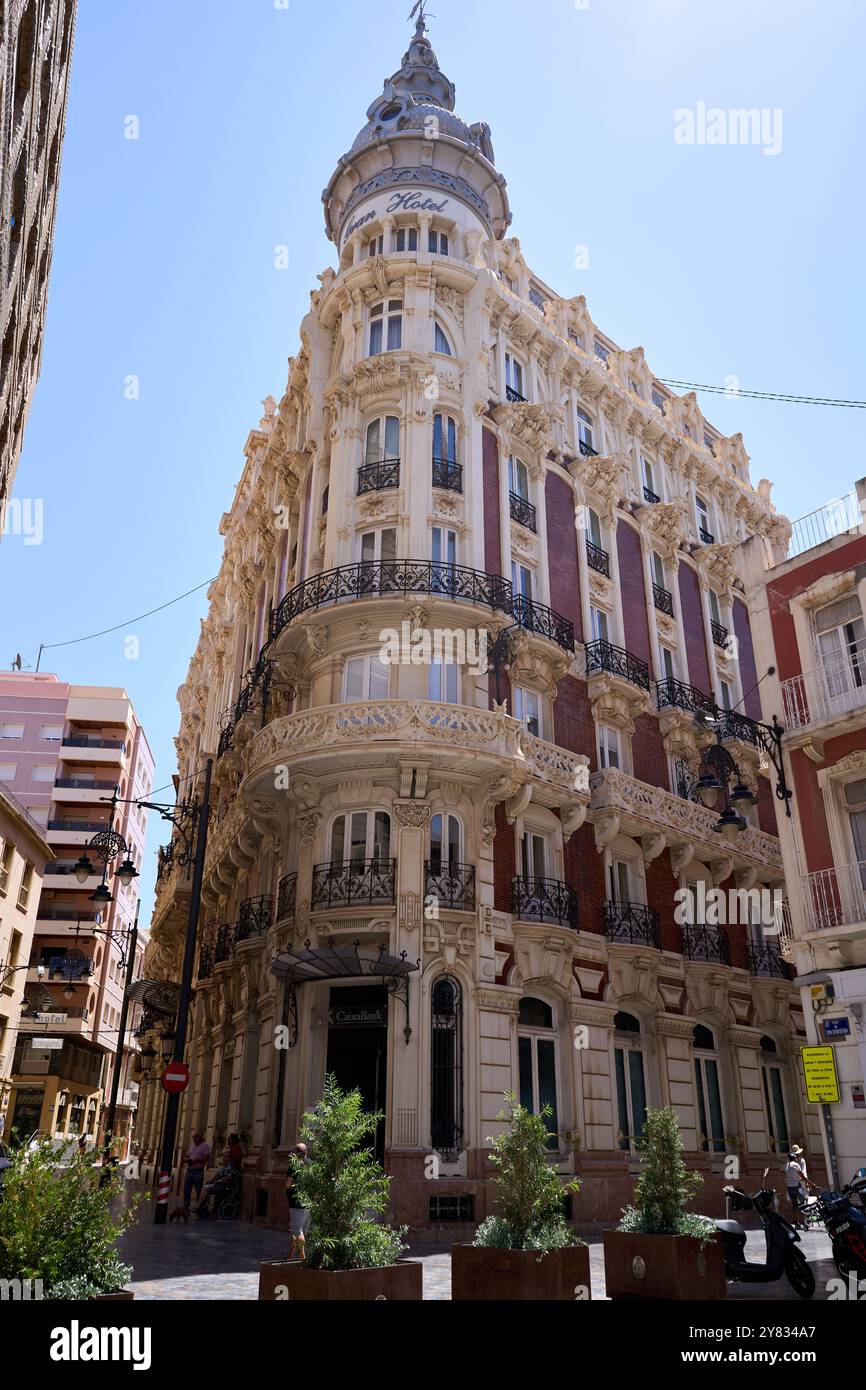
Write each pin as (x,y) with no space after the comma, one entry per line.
(413,140)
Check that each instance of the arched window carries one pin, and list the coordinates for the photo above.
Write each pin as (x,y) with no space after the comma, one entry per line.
(382,440)
(446,1068)
(631,1097)
(536,1048)
(440,341)
(513,378)
(445,842)
(711,1124)
(360,836)
(444,439)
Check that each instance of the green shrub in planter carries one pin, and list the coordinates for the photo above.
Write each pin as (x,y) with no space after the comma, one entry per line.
(529,1192)
(56,1223)
(665,1186)
(344,1186)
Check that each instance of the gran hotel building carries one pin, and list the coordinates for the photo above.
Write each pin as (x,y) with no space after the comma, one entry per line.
(443,883)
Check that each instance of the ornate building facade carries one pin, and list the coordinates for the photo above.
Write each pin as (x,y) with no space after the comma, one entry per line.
(35,49)
(479,583)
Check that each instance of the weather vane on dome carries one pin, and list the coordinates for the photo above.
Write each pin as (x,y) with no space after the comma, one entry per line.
(420,9)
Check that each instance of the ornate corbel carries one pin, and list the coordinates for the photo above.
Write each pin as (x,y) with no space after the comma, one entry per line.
(652,846)
(606,829)
(681,857)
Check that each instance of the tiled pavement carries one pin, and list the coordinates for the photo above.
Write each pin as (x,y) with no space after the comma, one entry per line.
(220,1260)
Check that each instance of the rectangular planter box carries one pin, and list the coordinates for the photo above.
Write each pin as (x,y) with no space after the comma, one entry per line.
(292,1283)
(478,1273)
(124,1296)
(673,1267)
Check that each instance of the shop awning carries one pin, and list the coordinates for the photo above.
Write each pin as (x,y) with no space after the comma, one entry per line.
(353,962)
(156,996)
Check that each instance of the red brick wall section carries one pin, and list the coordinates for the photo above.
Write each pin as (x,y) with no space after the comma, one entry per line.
(573,725)
(808,801)
(562,551)
(746,657)
(490,483)
(787,586)
(648,753)
(584,872)
(661,886)
(692,616)
(767,804)
(631,578)
(504,861)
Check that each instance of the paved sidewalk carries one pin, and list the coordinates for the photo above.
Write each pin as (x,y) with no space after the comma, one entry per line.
(220,1260)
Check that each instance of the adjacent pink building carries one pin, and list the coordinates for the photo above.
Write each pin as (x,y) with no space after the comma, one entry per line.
(63,751)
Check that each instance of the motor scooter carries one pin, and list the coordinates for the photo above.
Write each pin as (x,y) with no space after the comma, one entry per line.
(844,1218)
(783,1258)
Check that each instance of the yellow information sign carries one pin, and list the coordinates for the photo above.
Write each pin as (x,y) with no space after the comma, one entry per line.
(822,1081)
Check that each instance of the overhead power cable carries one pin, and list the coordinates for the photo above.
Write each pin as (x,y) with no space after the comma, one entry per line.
(734,392)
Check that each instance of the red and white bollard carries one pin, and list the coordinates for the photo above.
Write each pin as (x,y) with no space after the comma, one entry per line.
(163,1189)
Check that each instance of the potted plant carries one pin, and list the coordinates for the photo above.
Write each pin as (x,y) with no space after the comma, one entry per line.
(350,1256)
(528,1250)
(57,1228)
(660,1250)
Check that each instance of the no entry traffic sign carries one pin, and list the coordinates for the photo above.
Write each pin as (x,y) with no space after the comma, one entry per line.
(175,1078)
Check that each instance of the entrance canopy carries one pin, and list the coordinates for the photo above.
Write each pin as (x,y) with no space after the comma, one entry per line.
(355,962)
(156,996)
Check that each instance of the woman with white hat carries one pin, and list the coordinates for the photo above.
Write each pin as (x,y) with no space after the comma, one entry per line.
(795,1177)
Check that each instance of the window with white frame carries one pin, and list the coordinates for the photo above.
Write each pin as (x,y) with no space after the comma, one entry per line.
(444,438)
(602,354)
(11,732)
(443,546)
(599,620)
(608,747)
(444,681)
(379,545)
(659,401)
(405,239)
(840,636)
(360,836)
(386,327)
(44,772)
(382,443)
(440,340)
(536,1050)
(667,662)
(855,810)
(438,243)
(376,245)
(527,708)
(630,1073)
(51,733)
(521,580)
(657,566)
(533,855)
(708,1092)
(715,611)
(594,528)
(446,843)
(702,510)
(518,478)
(585,430)
(651,484)
(366,678)
(726,694)
(514,376)
(621,878)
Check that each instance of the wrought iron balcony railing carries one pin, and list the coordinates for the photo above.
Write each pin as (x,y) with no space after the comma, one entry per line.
(522,511)
(377,477)
(586,450)
(733,725)
(720,634)
(535,617)
(355,883)
(767,959)
(708,944)
(256,916)
(66,914)
(707,537)
(83,784)
(206,960)
(604,656)
(448,475)
(224,944)
(598,559)
(401,578)
(650,496)
(663,600)
(86,826)
(632,924)
(544,900)
(674,694)
(287,896)
(452,884)
(514,396)
(82,741)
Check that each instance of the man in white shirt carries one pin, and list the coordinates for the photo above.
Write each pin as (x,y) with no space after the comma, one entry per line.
(795,1177)
(197,1157)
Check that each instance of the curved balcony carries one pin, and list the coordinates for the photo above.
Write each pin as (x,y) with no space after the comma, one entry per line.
(256,916)
(354,883)
(767,961)
(456,738)
(378,477)
(616,661)
(674,694)
(544,900)
(447,475)
(632,924)
(452,884)
(425,578)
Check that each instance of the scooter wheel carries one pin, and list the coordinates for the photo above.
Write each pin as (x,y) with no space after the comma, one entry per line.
(846,1266)
(800,1276)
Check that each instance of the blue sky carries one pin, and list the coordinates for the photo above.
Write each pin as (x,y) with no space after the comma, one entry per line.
(719,261)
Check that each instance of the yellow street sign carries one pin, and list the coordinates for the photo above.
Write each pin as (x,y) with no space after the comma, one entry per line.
(819,1070)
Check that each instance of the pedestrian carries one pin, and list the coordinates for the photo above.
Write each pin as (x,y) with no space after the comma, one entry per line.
(795,1178)
(299,1215)
(197,1156)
